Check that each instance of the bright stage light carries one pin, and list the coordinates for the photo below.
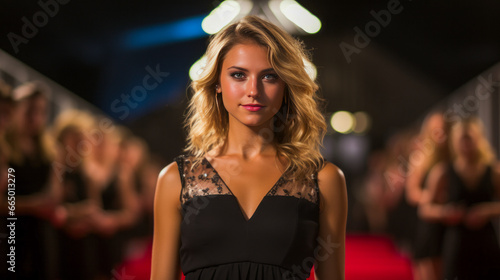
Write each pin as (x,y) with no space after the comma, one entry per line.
(221,16)
(300,16)
(227,12)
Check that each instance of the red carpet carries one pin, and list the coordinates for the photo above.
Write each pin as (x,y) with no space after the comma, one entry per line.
(367,257)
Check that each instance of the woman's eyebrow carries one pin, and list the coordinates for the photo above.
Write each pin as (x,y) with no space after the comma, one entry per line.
(238,68)
(243,69)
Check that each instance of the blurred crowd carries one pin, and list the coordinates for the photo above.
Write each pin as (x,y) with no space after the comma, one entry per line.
(84,189)
(436,191)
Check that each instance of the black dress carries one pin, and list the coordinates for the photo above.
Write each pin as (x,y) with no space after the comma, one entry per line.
(217,242)
(33,234)
(467,253)
(111,248)
(429,236)
(77,256)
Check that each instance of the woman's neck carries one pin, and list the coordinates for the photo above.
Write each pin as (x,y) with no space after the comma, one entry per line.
(468,161)
(249,141)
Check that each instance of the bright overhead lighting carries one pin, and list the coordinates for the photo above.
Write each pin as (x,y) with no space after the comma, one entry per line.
(221,16)
(300,16)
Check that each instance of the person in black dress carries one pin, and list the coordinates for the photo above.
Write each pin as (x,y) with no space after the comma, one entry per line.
(37,189)
(251,198)
(77,247)
(432,147)
(112,189)
(465,197)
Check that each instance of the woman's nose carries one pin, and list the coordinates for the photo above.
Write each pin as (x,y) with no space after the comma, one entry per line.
(253,87)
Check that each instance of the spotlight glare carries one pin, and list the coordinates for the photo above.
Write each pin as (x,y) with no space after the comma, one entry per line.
(221,16)
(310,69)
(343,122)
(197,68)
(300,16)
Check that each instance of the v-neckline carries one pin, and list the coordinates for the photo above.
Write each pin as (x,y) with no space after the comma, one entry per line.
(241,210)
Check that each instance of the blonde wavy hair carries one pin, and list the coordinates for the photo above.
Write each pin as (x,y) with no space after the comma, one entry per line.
(299,126)
(436,149)
(485,151)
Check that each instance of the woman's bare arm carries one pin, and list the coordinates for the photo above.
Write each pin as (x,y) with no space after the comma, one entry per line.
(414,188)
(433,205)
(333,216)
(167,221)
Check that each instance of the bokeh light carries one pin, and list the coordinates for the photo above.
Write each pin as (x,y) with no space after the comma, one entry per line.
(343,122)
(363,122)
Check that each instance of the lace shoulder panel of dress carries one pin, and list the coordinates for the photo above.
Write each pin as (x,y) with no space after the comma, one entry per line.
(200,180)
(305,189)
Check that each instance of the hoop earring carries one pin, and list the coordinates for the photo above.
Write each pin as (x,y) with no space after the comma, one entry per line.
(218,109)
(287,108)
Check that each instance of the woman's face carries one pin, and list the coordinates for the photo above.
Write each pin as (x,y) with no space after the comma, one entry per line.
(436,129)
(465,141)
(72,139)
(252,92)
(34,114)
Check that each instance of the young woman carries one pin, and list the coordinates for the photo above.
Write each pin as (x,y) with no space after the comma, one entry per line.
(432,148)
(464,195)
(252,198)
(37,189)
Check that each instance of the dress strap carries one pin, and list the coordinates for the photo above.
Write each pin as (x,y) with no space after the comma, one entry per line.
(316,184)
(180,160)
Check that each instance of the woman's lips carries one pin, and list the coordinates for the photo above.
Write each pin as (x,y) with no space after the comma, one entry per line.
(252,107)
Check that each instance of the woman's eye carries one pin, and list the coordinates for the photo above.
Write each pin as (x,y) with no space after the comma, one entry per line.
(237,75)
(271,77)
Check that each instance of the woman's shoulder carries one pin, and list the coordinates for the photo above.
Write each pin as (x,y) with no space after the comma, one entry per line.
(333,191)
(178,169)
(331,178)
(171,176)
(330,171)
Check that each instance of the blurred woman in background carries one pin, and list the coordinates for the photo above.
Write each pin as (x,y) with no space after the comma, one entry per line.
(431,147)
(38,191)
(464,195)
(77,248)
(135,162)
(112,188)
